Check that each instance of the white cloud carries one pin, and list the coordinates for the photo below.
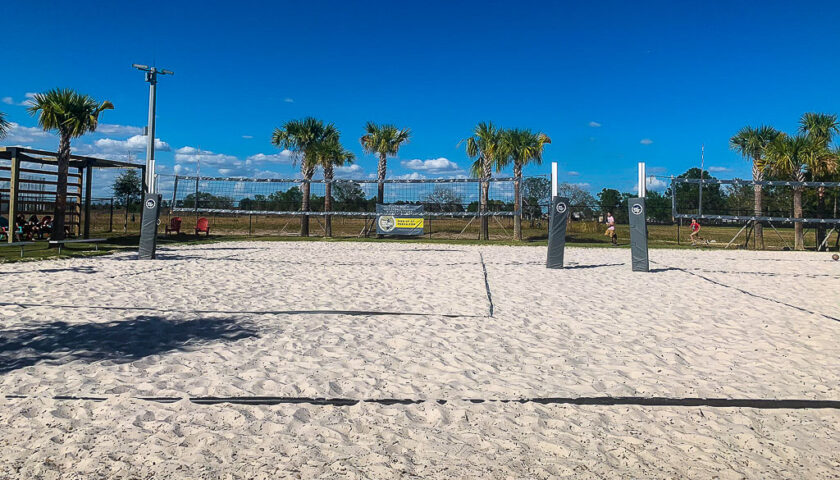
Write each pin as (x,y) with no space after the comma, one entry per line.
(654,183)
(573,173)
(19,133)
(8,100)
(133,144)
(205,157)
(349,171)
(410,176)
(247,137)
(646,141)
(720,169)
(583,185)
(594,124)
(285,157)
(433,166)
(289,100)
(119,130)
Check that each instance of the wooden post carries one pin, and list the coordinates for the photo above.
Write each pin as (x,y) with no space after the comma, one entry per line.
(125,222)
(14,179)
(88,182)
(111,217)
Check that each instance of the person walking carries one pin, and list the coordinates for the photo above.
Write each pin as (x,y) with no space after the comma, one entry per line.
(611,229)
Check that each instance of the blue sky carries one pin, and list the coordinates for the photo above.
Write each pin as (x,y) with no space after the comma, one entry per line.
(612,83)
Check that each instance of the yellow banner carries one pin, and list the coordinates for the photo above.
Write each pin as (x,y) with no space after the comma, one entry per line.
(409,222)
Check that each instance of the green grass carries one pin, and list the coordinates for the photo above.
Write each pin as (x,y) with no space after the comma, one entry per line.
(445,231)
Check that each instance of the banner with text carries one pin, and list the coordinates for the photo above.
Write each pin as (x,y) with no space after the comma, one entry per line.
(399,219)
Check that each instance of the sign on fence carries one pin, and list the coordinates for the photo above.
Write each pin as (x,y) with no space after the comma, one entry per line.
(399,219)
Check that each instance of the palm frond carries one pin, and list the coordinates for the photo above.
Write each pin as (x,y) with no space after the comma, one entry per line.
(71,113)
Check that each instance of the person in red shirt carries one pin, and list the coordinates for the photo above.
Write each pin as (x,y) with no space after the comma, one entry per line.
(695,231)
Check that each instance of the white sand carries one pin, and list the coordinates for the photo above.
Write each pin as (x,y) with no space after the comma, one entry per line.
(296,319)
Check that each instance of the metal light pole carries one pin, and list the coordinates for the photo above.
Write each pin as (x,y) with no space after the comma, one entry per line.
(151,77)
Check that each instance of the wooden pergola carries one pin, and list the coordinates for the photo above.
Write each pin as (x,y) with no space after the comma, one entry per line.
(80,179)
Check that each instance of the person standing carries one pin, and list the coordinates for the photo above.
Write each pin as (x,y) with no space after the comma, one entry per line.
(611,229)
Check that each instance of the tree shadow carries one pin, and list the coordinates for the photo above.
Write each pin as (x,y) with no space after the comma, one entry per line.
(120,341)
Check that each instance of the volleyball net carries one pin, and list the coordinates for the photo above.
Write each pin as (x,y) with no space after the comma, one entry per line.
(447,197)
(729,201)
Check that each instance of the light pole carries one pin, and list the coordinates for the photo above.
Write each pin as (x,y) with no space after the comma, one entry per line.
(151,77)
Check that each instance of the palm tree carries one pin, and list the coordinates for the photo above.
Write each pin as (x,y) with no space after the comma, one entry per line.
(4,125)
(787,156)
(304,138)
(486,147)
(820,129)
(73,115)
(750,143)
(521,147)
(385,141)
(331,154)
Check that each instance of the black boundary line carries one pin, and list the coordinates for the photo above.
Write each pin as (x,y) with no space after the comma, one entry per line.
(247,312)
(747,292)
(486,283)
(754,403)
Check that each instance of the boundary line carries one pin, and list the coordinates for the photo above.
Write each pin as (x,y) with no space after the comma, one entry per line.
(486,283)
(754,403)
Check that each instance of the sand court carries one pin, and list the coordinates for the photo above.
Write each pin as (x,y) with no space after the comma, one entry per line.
(365,321)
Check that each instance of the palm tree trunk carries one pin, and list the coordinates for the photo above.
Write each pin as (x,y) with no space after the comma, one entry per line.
(381,170)
(758,197)
(517,201)
(820,214)
(304,202)
(798,227)
(61,187)
(328,202)
(485,197)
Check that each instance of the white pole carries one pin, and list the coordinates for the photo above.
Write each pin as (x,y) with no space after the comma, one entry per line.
(553,179)
(642,178)
(150,133)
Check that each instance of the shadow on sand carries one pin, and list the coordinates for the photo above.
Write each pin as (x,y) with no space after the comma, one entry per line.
(123,341)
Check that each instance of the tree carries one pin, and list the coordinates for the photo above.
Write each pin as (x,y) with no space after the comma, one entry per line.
(443,199)
(820,129)
(786,156)
(330,155)
(384,141)
(581,202)
(486,147)
(349,195)
(751,143)
(535,193)
(72,114)
(303,138)
(128,185)
(4,126)
(520,147)
(714,199)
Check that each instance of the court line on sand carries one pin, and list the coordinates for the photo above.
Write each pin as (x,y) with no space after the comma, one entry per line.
(747,292)
(245,312)
(486,283)
(754,403)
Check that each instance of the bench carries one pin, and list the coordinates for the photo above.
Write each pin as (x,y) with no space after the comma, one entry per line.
(60,243)
(17,244)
